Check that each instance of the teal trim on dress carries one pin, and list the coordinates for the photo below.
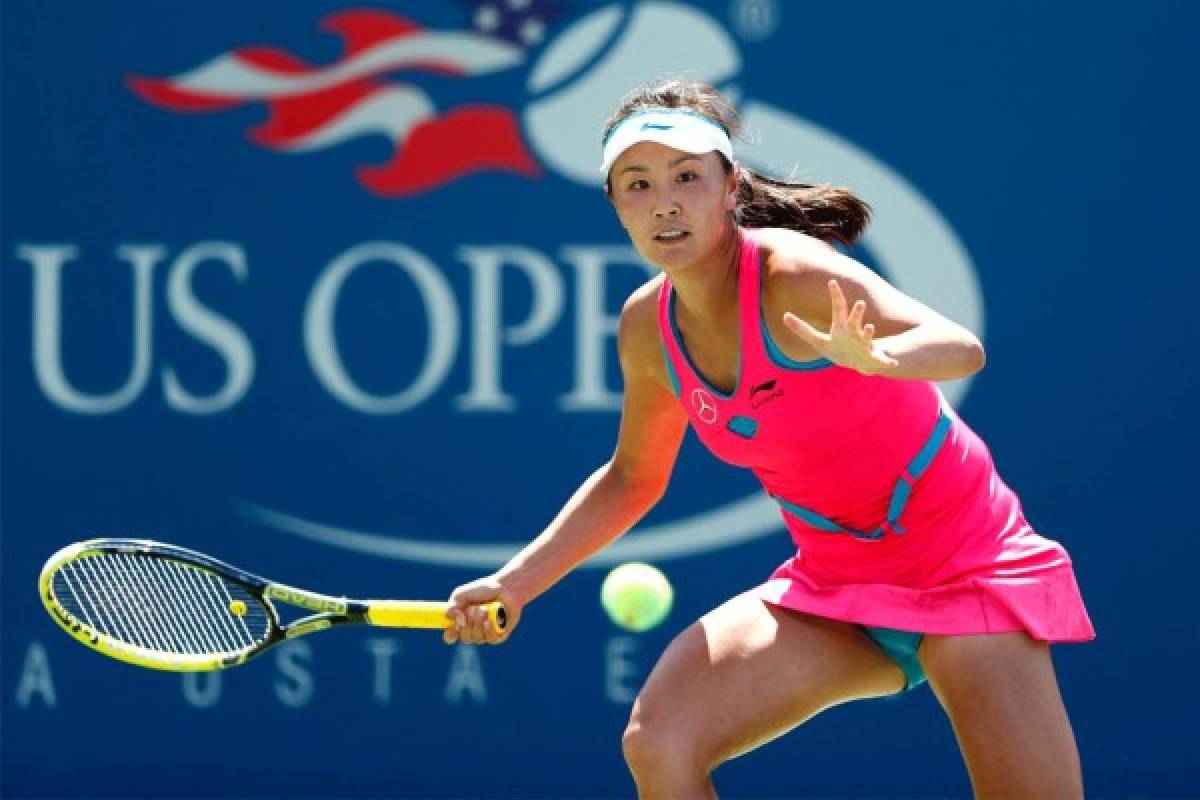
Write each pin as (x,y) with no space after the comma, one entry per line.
(901,647)
(901,492)
(671,369)
(812,517)
(900,495)
(683,349)
(921,462)
(746,427)
(781,359)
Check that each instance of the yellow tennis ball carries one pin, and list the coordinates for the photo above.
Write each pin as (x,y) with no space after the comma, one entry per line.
(238,608)
(636,596)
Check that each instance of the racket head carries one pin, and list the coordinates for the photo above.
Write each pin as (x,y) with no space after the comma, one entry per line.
(157,605)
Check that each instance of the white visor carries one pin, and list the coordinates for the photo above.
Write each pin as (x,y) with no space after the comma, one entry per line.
(675,127)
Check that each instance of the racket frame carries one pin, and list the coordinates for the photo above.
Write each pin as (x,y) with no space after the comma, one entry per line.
(330,611)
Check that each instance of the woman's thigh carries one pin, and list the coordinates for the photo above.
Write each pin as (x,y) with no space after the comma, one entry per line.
(749,671)
(1002,697)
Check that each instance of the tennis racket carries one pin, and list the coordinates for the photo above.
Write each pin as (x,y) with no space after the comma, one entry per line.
(165,607)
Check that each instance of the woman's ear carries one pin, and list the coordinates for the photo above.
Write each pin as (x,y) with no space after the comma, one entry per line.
(731,187)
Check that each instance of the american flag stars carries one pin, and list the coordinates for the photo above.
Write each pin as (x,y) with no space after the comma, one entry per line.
(521,22)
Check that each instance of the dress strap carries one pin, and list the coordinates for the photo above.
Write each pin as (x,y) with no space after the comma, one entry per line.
(900,493)
(671,352)
(750,266)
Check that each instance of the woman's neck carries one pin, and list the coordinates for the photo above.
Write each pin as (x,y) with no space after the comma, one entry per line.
(707,290)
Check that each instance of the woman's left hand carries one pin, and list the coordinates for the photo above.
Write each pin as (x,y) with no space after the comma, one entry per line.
(849,342)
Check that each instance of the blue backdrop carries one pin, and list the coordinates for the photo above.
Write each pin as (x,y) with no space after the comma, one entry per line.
(330,296)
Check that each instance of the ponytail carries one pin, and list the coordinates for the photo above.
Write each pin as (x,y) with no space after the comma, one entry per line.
(824,211)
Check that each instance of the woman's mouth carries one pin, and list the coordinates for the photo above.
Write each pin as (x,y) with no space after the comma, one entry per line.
(671,235)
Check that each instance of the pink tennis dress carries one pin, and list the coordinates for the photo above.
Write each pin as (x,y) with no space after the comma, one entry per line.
(894,504)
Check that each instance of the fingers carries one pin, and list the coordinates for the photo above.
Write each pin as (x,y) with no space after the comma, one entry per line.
(451,634)
(849,342)
(805,331)
(468,612)
(883,358)
(470,626)
(878,354)
(839,303)
(853,321)
(473,625)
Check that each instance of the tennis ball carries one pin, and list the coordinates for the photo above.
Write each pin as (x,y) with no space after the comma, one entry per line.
(238,608)
(636,596)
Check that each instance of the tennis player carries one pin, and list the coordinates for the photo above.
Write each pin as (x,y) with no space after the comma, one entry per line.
(914,561)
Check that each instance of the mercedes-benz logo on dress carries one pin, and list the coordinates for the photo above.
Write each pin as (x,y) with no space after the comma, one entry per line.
(705,405)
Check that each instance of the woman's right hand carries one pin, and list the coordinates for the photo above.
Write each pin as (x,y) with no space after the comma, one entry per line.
(468,611)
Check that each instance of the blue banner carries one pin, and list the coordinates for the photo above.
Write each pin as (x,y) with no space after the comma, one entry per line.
(329,291)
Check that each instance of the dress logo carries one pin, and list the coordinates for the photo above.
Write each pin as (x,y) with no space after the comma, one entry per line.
(705,405)
(764,393)
(762,387)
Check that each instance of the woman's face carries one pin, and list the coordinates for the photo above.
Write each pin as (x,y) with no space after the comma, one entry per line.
(674,205)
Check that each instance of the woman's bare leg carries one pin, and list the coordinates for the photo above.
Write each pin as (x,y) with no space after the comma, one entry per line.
(740,676)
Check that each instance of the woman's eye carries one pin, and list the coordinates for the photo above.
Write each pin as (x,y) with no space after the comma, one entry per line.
(684,177)
(638,184)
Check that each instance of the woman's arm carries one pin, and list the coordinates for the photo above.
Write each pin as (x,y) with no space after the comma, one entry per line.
(612,499)
(851,315)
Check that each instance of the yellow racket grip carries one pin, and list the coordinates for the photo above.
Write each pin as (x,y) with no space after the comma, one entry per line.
(425,614)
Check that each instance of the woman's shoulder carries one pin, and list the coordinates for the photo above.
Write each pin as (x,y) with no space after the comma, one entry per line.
(643,301)
(637,330)
(794,263)
(789,252)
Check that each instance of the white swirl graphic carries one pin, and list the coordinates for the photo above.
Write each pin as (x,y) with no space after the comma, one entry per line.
(744,520)
(913,244)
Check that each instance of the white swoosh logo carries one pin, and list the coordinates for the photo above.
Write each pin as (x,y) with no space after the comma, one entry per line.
(740,521)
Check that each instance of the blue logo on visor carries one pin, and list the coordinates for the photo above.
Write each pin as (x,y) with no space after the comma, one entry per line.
(658,126)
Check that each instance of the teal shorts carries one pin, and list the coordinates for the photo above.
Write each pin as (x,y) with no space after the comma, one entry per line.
(901,647)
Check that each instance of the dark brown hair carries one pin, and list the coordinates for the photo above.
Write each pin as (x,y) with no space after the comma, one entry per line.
(827,212)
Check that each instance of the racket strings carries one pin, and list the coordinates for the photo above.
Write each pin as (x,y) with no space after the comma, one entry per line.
(160,605)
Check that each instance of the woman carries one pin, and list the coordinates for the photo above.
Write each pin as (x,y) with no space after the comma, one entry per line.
(914,559)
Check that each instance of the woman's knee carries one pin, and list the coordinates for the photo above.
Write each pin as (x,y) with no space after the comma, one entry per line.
(660,745)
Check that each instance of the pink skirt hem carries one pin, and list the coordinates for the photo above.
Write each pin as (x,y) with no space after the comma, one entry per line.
(1047,605)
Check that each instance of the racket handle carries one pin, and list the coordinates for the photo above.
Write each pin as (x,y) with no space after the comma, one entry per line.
(422,614)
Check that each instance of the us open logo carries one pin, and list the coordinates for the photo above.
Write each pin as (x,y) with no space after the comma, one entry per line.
(567,74)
